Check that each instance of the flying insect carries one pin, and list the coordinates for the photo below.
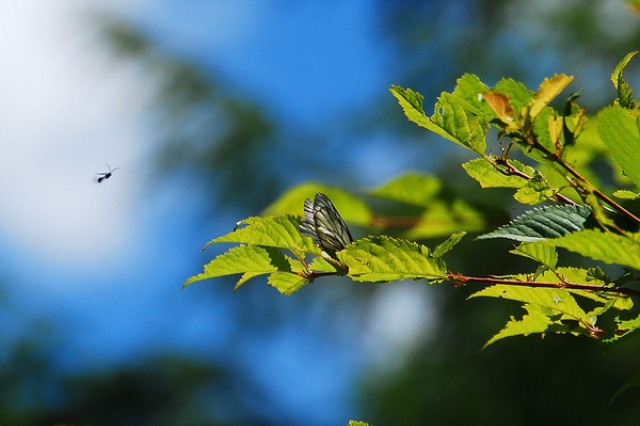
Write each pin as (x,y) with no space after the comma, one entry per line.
(104,176)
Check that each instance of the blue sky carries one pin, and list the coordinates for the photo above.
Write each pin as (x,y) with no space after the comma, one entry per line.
(103,264)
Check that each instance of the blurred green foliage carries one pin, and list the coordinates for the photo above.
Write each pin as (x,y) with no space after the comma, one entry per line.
(231,146)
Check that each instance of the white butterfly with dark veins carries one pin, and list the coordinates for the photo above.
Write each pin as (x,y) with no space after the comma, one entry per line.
(323,222)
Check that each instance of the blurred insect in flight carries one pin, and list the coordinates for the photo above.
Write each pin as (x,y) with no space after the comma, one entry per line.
(323,222)
(107,175)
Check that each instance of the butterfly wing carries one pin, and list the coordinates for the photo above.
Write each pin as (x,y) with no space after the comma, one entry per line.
(308,225)
(330,229)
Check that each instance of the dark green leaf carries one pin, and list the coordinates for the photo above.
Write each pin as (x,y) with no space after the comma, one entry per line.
(544,223)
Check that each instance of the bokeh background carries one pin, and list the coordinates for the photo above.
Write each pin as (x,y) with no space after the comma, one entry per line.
(211,110)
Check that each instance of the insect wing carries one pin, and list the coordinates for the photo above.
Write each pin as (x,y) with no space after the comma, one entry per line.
(307,225)
(332,232)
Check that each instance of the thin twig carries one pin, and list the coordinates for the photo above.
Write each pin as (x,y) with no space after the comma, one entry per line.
(460,279)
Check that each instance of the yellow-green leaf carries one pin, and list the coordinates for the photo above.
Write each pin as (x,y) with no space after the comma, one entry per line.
(384,259)
(271,231)
(352,209)
(411,188)
(625,92)
(606,247)
(548,90)
(456,117)
(542,253)
(489,177)
(286,283)
(556,300)
(249,260)
(442,218)
(618,129)
(626,195)
(536,320)
(446,246)
(536,191)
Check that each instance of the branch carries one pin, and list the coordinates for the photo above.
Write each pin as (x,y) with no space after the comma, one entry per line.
(532,142)
(459,279)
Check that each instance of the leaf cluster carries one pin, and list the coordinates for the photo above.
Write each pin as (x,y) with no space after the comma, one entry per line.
(544,152)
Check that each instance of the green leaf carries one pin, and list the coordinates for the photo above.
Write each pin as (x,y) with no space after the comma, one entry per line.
(548,308)
(250,261)
(558,300)
(536,320)
(459,125)
(411,188)
(618,129)
(604,246)
(548,90)
(457,117)
(536,191)
(446,246)
(626,195)
(542,253)
(625,92)
(271,231)
(586,276)
(468,88)
(542,128)
(544,223)
(489,177)
(352,209)
(442,218)
(384,259)
(286,283)
(625,327)
(320,264)
(357,423)
(518,94)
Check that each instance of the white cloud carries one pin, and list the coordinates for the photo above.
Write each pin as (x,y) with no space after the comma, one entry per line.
(63,114)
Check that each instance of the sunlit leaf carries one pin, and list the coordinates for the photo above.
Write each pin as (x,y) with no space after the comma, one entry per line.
(626,195)
(457,116)
(618,129)
(557,300)
(442,218)
(271,231)
(625,92)
(542,253)
(604,246)
(286,283)
(625,327)
(384,259)
(536,191)
(352,209)
(543,132)
(450,243)
(537,320)
(249,260)
(585,276)
(411,188)
(489,177)
(460,125)
(500,104)
(548,90)
(519,95)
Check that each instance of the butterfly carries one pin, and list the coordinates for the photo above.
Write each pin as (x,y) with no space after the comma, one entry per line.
(323,222)
(107,175)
